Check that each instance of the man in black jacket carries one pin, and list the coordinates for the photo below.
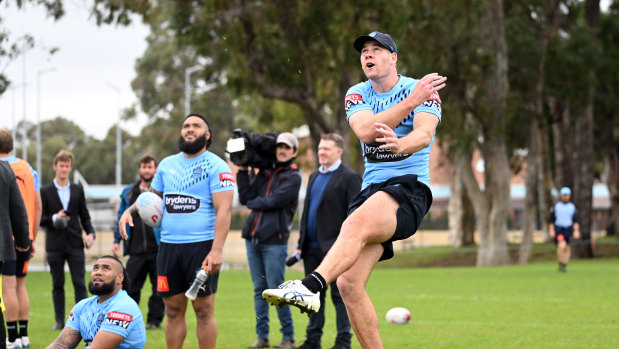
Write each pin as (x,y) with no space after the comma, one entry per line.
(329,191)
(142,245)
(272,196)
(13,225)
(64,208)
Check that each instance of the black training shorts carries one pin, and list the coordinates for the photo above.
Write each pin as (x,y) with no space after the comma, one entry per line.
(566,232)
(177,265)
(17,267)
(415,199)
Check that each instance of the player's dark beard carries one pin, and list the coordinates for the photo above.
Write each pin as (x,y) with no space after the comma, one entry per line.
(104,288)
(192,147)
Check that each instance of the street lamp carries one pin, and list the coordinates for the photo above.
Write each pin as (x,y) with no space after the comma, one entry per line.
(118,143)
(24,154)
(188,73)
(39,73)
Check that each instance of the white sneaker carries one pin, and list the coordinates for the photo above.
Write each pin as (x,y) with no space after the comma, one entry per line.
(25,342)
(293,293)
(13,345)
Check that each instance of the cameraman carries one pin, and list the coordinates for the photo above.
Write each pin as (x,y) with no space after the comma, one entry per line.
(272,196)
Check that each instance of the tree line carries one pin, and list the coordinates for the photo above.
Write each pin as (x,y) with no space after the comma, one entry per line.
(532,86)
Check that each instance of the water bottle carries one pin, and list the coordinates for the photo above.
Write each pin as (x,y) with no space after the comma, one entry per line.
(201,277)
(293,259)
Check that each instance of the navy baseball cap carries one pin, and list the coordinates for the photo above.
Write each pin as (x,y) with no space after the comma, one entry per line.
(384,39)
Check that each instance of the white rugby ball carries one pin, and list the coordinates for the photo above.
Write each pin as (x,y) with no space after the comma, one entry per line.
(150,208)
(398,315)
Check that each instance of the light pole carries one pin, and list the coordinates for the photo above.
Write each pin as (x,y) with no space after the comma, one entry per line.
(39,73)
(188,73)
(24,154)
(118,143)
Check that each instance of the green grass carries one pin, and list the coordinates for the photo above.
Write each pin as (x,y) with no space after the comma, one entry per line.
(531,306)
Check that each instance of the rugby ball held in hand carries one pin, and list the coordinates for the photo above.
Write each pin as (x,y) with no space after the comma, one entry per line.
(398,315)
(150,208)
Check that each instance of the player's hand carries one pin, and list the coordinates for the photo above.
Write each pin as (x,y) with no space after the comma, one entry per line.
(388,136)
(115,248)
(33,249)
(90,239)
(576,234)
(125,219)
(427,86)
(213,262)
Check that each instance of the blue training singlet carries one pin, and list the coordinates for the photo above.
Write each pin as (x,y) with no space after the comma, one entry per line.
(187,186)
(119,314)
(382,164)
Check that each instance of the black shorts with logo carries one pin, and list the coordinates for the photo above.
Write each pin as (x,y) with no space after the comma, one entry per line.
(177,265)
(566,232)
(415,199)
(17,267)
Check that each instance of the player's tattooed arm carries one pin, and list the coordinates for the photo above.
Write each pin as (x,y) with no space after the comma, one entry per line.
(69,338)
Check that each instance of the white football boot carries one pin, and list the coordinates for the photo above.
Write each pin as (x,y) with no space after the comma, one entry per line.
(25,342)
(13,345)
(293,293)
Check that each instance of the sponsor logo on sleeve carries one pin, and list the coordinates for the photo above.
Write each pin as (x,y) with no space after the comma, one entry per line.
(433,102)
(162,284)
(226,179)
(177,203)
(118,319)
(352,100)
(71,315)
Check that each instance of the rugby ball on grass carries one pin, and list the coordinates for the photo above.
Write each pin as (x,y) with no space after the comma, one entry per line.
(398,315)
(150,208)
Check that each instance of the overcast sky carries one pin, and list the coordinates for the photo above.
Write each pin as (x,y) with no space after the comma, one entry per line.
(89,62)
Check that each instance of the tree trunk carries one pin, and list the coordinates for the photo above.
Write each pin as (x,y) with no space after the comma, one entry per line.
(455,209)
(612,164)
(528,220)
(584,149)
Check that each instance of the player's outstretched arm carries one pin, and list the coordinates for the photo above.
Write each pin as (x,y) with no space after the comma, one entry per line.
(423,129)
(127,216)
(68,338)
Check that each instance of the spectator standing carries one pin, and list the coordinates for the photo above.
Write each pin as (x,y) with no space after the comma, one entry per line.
(563,225)
(64,216)
(142,245)
(272,196)
(329,191)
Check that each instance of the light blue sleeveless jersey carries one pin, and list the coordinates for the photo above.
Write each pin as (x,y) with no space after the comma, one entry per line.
(382,164)
(119,314)
(187,185)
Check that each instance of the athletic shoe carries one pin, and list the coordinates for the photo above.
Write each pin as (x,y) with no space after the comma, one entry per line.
(25,342)
(13,345)
(308,345)
(293,293)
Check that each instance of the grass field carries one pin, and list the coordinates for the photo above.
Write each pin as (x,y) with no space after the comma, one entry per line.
(531,306)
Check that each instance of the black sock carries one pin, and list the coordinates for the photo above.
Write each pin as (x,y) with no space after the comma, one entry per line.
(11,326)
(314,282)
(23,328)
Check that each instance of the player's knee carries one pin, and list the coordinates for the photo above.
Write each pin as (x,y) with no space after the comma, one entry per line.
(346,285)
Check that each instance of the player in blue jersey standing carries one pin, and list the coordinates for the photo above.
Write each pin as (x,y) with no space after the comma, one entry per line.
(197,188)
(395,117)
(110,318)
(563,224)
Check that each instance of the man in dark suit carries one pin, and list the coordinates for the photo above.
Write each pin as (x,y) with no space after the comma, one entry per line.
(64,208)
(329,191)
(13,225)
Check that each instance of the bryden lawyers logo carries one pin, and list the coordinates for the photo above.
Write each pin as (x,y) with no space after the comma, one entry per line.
(177,203)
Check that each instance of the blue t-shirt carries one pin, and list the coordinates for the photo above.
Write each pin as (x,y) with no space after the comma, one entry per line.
(119,314)
(565,214)
(382,164)
(187,186)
